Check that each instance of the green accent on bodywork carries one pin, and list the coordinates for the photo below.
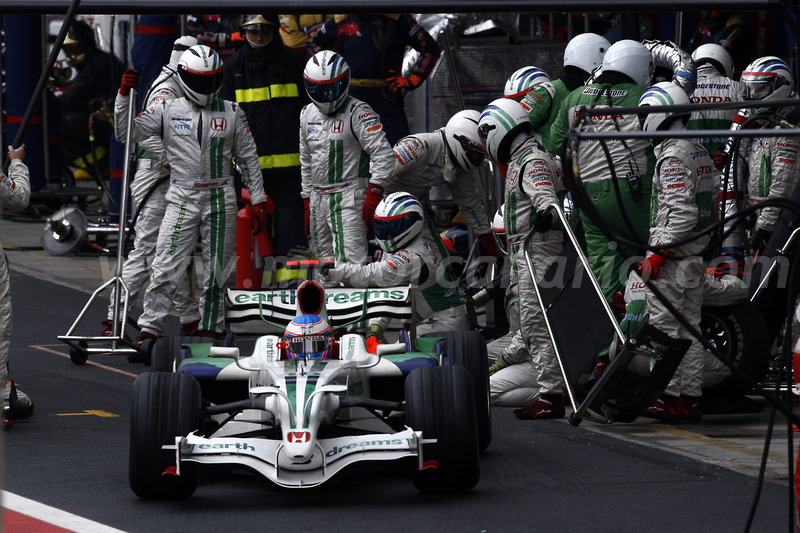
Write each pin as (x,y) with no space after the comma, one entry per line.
(400,357)
(427,344)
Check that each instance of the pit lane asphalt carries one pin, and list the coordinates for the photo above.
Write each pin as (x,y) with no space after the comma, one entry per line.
(536,476)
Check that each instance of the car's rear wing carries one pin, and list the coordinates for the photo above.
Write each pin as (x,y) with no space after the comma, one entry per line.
(262,312)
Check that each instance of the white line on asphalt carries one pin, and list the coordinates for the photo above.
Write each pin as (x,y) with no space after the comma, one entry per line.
(54,516)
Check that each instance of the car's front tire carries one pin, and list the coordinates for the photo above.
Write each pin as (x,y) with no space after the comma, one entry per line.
(164,406)
(440,402)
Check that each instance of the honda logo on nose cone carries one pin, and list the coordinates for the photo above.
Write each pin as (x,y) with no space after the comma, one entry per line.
(337,127)
(218,124)
(299,437)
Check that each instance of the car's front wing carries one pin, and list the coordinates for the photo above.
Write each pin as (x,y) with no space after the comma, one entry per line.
(269,457)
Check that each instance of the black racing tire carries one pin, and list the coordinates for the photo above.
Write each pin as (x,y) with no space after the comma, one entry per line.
(167,351)
(164,405)
(740,333)
(468,349)
(79,354)
(440,402)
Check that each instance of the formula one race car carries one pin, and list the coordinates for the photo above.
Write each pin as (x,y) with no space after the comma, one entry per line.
(308,402)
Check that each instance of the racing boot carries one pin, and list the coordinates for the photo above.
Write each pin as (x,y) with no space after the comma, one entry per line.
(665,408)
(547,405)
(689,408)
(190,329)
(143,347)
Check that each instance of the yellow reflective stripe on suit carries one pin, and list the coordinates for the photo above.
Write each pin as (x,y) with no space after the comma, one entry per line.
(279,160)
(260,94)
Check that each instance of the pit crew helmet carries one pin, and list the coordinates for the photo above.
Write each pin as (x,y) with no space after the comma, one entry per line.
(586,51)
(327,80)
(500,123)
(181,44)
(461,135)
(522,80)
(631,58)
(663,93)
(766,78)
(398,221)
(200,74)
(308,336)
(715,55)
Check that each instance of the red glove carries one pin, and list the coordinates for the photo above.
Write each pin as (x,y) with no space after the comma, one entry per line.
(489,245)
(260,212)
(397,82)
(649,268)
(307,217)
(130,80)
(374,195)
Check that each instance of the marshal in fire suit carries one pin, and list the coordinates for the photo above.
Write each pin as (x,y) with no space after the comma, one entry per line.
(340,154)
(148,189)
(15,191)
(200,143)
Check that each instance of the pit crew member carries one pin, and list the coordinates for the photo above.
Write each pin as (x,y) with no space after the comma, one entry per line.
(533,182)
(148,189)
(682,206)
(407,259)
(202,135)
(345,161)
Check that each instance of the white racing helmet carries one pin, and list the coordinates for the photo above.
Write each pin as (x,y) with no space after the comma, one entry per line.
(200,73)
(180,45)
(660,94)
(767,78)
(631,58)
(501,121)
(327,80)
(715,55)
(522,80)
(461,134)
(398,220)
(586,51)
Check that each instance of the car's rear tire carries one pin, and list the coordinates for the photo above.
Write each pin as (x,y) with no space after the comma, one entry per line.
(164,405)
(440,402)
(468,349)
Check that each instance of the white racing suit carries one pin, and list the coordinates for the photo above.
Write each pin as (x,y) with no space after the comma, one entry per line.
(727,290)
(681,207)
(200,144)
(422,161)
(772,172)
(151,167)
(532,183)
(339,154)
(713,88)
(15,191)
(420,266)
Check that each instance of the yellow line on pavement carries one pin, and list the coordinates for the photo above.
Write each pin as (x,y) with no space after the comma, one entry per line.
(44,348)
(714,441)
